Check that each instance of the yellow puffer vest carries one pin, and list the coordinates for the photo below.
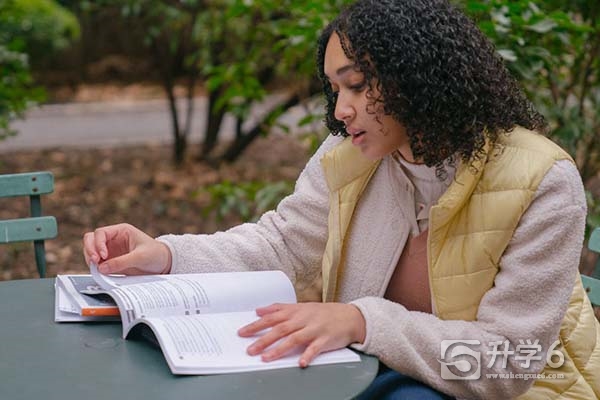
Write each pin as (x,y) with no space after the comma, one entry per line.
(469,229)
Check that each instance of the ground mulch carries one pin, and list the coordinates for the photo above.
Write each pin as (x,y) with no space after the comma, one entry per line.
(139,185)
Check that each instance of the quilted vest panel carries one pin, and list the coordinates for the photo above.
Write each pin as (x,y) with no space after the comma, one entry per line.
(469,230)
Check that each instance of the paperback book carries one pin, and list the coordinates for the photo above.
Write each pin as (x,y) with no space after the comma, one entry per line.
(193,318)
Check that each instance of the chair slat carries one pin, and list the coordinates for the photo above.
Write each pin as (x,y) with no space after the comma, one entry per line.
(27,229)
(594,245)
(26,184)
(594,242)
(592,287)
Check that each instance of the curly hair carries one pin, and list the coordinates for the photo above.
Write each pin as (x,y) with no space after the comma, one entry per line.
(436,73)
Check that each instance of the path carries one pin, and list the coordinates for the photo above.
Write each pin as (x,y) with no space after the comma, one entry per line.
(116,124)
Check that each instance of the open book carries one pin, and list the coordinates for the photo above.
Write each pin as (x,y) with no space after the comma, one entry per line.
(194,318)
(79,298)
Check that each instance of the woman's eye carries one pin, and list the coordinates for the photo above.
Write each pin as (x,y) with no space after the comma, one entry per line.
(358,87)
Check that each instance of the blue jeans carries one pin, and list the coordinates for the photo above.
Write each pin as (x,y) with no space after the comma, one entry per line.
(392,385)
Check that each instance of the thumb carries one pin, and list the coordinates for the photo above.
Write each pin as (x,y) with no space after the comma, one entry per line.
(126,264)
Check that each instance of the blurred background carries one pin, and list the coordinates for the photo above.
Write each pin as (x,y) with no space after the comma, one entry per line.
(192,116)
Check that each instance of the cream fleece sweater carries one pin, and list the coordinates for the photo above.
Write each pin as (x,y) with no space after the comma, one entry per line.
(527,302)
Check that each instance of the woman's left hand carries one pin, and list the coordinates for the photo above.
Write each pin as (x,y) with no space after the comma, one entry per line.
(318,326)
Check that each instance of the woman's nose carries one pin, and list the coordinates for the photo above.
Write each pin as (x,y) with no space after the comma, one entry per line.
(343,109)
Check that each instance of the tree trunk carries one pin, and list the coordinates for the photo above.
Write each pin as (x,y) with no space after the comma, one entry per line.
(179,139)
(166,64)
(242,141)
(213,124)
(180,149)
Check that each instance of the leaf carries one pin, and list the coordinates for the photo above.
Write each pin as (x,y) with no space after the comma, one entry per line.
(543,26)
(508,55)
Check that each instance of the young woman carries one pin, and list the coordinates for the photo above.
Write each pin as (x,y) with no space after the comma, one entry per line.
(435,211)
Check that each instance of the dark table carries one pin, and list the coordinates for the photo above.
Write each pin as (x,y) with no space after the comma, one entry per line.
(41,359)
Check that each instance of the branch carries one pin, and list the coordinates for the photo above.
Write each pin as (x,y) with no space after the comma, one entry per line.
(162,60)
(554,90)
(240,144)
(585,84)
(186,7)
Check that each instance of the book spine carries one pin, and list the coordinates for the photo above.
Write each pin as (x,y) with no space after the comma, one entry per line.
(100,312)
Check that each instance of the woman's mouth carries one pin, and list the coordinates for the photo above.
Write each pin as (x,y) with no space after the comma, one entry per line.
(357,137)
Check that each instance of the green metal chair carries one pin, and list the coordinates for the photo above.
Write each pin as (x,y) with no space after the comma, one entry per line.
(37,228)
(592,284)
(594,245)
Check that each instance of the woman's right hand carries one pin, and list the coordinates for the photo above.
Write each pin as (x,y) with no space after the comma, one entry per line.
(124,249)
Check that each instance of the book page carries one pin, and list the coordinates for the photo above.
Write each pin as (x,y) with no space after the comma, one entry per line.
(192,294)
(209,344)
(66,311)
(85,296)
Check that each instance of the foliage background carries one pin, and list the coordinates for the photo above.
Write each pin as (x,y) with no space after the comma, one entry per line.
(236,52)
(28,29)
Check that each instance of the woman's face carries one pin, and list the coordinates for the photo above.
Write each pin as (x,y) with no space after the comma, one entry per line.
(374,132)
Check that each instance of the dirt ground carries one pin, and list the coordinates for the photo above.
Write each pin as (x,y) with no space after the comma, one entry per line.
(139,185)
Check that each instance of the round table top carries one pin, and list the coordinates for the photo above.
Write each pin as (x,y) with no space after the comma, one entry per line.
(40,358)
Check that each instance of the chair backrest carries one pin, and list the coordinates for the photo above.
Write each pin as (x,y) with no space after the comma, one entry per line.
(594,245)
(36,228)
(592,285)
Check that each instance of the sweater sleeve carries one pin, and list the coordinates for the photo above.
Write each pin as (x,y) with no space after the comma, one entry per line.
(292,238)
(528,301)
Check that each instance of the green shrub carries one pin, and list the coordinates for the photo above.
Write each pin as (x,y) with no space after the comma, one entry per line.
(28,29)
(248,200)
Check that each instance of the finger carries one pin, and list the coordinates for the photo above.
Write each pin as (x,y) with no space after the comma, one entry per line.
(291,342)
(262,311)
(274,335)
(125,264)
(99,237)
(311,351)
(267,321)
(89,250)
(117,237)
